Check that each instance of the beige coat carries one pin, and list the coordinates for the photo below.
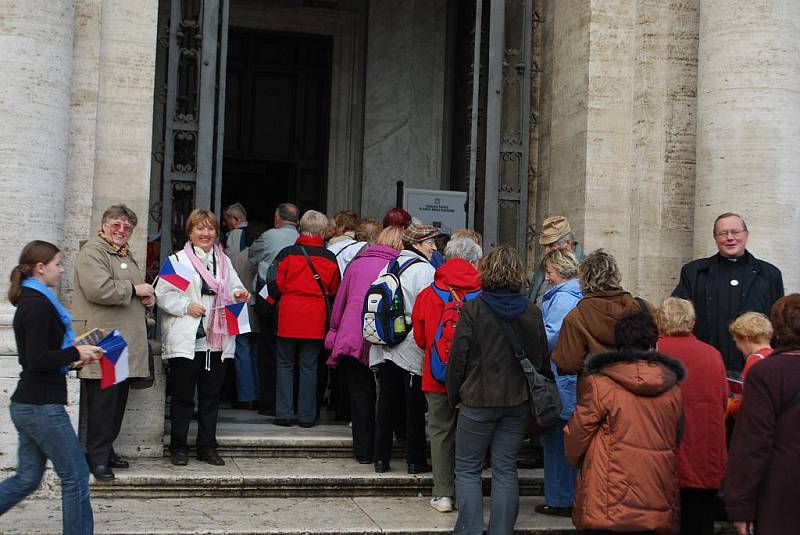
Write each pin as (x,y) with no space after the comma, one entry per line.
(104,298)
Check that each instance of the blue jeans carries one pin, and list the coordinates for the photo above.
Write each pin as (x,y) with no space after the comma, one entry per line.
(246,359)
(306,352)
(45,432)
(559,476)
(478,428)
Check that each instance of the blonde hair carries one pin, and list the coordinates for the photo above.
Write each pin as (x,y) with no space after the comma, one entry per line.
(675,316)
(368,230)
(313,223)
(599,273)
(467,233)
(563,262)
(502,268)
(392,237)
(753,325)
(199,216)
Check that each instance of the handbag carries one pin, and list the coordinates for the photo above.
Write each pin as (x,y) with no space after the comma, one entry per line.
(543,396)
(328,304)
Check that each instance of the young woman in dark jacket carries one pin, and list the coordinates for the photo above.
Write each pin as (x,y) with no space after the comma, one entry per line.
(486,382)
(43,330)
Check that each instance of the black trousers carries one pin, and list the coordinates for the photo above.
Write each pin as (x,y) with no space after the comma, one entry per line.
(360,384)
(609,532)
(396,382)
(698,507)
(267,352)
(105,409)
(205,374)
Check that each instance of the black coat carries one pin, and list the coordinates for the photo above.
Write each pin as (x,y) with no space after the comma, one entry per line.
(482,370)
(760,289)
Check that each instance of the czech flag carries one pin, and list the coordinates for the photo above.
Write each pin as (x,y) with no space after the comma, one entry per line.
(114,362)
(177,274)
(237,318)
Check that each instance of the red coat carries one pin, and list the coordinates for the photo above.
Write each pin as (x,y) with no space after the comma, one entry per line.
(458,274)
(703,454)
(301,307)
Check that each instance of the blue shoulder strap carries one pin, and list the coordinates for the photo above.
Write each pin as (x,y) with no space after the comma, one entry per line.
(444,295)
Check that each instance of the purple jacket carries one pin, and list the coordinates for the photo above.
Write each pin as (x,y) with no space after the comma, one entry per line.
(344,336)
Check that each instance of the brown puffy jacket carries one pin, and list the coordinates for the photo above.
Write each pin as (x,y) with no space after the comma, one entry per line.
(589,328)
(624,438)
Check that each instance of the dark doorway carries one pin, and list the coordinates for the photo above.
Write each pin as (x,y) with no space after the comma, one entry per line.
(277,111)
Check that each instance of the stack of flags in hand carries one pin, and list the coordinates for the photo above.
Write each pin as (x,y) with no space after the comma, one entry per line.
(114,362)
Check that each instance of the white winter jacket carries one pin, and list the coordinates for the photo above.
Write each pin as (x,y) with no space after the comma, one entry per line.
(179,329)
(407,354)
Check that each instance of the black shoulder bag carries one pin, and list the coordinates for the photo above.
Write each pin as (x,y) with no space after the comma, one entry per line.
(543,396)
(328,304)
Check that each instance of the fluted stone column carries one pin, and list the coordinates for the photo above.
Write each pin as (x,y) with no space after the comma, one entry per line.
(748,126)
(36,65)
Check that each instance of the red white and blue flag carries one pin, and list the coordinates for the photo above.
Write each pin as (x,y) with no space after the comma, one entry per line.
(114,362)
(237,318)
(177,274)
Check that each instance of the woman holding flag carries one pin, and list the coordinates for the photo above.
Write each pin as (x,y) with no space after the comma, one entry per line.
(45,345)
(203,304)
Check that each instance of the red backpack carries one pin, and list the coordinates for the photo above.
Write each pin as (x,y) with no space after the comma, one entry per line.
(445,332)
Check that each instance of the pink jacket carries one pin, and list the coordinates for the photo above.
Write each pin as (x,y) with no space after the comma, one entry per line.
(344,336)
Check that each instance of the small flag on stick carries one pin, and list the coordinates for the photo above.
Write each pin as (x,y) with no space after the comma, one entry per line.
(114,362)
(177,274)
(237,318)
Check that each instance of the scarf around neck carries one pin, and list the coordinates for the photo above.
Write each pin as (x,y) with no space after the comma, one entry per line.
(63,314)
(217,327)
(121,251)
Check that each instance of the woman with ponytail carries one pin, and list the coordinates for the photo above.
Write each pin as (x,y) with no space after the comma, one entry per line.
(45,345)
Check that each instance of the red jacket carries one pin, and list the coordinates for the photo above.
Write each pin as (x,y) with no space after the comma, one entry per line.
(301,306)
(703,454)
(458,274)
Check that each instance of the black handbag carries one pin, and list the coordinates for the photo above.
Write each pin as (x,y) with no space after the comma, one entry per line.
(543,396)
(328,304)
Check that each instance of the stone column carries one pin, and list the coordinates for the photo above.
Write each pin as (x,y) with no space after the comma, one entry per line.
(748,127)
(36,62)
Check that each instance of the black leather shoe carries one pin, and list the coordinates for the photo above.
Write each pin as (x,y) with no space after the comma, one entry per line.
(115,461)
(179,459)
(306,425)
(283,422)
(381,467)
(544,509)
(102,472)
(419,468)
(211,457)
(364,460)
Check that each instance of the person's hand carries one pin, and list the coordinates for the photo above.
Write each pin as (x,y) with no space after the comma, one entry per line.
(241,295)
(196,310)
(89,354)
(144,290)
(148,301)
(743,527)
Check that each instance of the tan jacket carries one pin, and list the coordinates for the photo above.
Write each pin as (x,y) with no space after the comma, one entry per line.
(589,328)
(623,438)
(104,298)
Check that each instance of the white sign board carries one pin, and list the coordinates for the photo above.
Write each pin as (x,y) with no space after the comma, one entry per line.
(442,209)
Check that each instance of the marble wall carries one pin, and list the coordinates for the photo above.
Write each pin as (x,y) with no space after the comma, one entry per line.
(404,101)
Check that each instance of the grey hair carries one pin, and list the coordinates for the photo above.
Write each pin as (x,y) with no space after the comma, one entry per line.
(118,211)
(463,248)
(313,223)
(569,236)
(562,262)
(287,211)
(236,210)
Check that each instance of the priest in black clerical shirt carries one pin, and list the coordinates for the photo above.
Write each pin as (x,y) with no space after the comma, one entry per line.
(725,285)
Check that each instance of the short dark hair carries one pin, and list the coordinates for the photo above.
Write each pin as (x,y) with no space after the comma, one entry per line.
(287,211)
(118,211)
(785,318)
(636,331)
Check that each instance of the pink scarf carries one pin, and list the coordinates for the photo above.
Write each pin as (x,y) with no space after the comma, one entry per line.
(217,328)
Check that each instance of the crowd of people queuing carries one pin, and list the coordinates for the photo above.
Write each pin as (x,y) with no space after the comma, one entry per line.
(649,435)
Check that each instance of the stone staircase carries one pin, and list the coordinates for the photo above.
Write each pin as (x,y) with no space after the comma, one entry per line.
(275,480)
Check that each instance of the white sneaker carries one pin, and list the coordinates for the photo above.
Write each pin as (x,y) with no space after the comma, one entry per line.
(443,504)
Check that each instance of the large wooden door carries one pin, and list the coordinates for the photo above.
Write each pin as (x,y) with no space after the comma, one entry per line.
(276,121)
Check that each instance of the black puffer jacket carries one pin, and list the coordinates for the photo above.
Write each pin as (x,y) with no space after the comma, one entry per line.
(483,370)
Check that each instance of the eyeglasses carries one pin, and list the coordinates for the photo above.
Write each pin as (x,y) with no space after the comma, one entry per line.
(116,227)
(730,234)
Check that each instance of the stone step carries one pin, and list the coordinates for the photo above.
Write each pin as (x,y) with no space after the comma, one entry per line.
(277,477)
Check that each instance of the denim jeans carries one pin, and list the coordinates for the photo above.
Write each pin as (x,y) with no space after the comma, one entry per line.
(478,428)
(306,352)
(246,359)
(559,476)
(45,432)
